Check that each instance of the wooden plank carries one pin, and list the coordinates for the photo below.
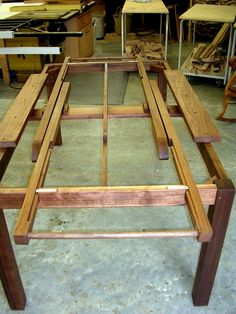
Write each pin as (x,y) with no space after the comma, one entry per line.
(114,111)
(159,132)
(182,233)
(41,130)
(212,162)
(101,197)
(95,112)
(105,127)
(27,213)
(196,117)
(193,199)
(14,121)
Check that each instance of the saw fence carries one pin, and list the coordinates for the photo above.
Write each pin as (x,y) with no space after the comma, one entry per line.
(217,193)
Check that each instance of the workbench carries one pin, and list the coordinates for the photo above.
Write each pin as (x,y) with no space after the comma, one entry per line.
(19,20)
(208,13)
(217,192)
(153,7)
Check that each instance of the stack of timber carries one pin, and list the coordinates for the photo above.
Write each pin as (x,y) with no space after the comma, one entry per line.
(205,58)
(146,49)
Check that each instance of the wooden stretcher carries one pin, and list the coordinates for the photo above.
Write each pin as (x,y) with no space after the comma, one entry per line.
(218,193)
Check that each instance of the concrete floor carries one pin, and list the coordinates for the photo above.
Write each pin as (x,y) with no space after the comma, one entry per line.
(111,276)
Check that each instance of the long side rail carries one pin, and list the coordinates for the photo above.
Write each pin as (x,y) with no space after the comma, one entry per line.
(193,200)
(159,131)
(44,122)
(28,211)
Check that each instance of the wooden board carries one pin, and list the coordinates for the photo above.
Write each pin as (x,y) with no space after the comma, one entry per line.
(197,119)
(159,131)
(42,128)
(46,7)
(14,121)
(193,199)
(29,207)
(109,196)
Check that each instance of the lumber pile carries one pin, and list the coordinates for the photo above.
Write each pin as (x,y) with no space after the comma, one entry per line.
(209,57)
(146,49)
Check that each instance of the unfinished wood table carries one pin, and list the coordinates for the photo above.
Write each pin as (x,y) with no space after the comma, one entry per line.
(217,193)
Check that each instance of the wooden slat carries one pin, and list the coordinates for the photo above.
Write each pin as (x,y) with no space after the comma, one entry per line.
(193,199)
(105,127)
(182,233)
(197,119)
(101,197)
(114,111)
(212,162)
(14,121)
(159,132)
(27,213)
(42,128)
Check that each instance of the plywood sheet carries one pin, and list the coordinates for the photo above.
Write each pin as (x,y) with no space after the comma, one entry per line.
(154,6)
(210,13)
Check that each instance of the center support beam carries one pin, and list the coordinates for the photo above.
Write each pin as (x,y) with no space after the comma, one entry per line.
(193,199)
(105,127)
(159,131)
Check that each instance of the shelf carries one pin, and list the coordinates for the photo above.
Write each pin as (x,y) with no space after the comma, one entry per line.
(210,74)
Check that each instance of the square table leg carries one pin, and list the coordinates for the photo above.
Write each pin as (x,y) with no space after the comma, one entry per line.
(9,272)
(218,215)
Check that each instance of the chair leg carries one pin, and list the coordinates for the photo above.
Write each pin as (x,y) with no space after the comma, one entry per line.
(224,106)
(221,117)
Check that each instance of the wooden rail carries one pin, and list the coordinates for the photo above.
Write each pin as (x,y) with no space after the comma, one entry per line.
(42,128)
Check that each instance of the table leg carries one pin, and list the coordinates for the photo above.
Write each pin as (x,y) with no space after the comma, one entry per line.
(9,272)
(227,71)
(218,215)
(122,34)
(194,32)
(166,35)
(160,31)
(180,43)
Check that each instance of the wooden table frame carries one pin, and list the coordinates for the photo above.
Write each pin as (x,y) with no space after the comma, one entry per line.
(218,193)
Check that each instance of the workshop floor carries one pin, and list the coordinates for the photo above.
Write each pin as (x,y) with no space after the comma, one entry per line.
(118,276)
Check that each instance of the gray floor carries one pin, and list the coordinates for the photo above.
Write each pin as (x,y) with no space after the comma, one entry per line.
(111,276)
